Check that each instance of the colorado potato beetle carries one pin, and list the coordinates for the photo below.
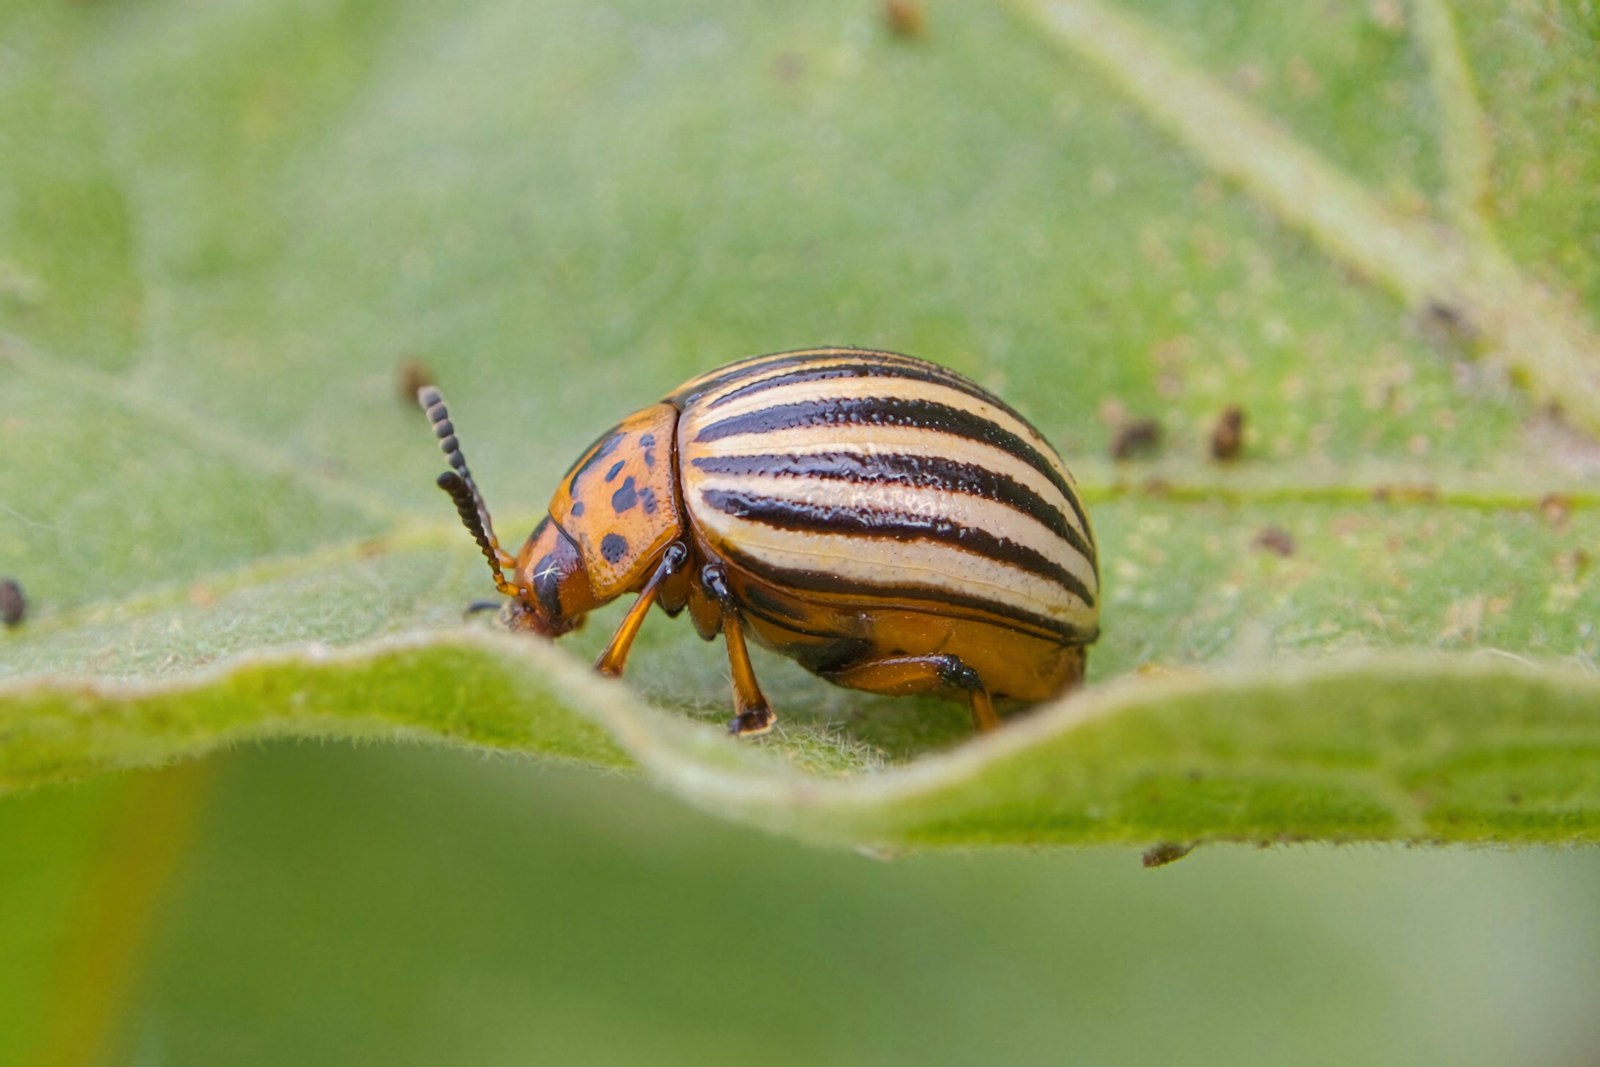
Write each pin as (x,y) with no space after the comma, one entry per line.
(882,520)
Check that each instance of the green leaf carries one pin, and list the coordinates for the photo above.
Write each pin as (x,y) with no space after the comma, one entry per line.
(224,235)
(1441,750)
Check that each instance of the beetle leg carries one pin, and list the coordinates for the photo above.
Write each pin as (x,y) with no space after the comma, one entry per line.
(616,653)
(898,675)
(752,714)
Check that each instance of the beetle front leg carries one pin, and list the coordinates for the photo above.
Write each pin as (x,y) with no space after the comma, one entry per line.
(752,714)
(616,653)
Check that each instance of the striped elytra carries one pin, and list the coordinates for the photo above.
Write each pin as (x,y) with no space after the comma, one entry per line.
(882,520)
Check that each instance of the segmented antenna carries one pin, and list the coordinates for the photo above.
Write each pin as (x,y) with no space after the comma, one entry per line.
(463,490)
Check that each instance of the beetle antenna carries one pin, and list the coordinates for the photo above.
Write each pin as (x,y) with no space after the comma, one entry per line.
(458,482)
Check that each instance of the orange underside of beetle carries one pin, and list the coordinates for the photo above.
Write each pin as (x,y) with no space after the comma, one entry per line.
(863,643)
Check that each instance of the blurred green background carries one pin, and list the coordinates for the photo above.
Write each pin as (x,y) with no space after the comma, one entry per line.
(255,211)
(420,907)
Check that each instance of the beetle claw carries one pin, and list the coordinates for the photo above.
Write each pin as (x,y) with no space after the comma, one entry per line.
(752,722)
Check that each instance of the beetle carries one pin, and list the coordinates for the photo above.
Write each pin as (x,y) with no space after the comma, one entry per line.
(882,520)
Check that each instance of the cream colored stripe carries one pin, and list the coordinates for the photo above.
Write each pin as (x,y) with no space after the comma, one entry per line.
(869,388)
(973,512)
(762,366)
(898,440)
(776,369)
(878,562)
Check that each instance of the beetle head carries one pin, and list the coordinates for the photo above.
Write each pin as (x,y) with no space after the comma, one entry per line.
(549,589)
(553,592)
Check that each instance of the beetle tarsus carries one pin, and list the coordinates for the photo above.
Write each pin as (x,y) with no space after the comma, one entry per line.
(752,721)
(957,674)
(960,676)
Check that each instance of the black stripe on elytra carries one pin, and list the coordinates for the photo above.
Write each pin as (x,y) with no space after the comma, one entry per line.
(940,601)
(863,368)
(755,365)
(743,369)
(917,472)
(871,365)
(893,411)
(802,516)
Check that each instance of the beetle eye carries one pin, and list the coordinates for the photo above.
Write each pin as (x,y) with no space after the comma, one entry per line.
(547,575)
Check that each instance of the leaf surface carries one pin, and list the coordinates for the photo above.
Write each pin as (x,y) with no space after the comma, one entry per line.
(225,236)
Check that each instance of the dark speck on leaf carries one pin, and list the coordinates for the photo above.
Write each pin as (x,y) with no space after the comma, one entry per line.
(1556,509)
(1227,437)
(1165,853)
(412,376)
(905,18)
(1405,494)
(1277,540)
(13,605)
(1142,437)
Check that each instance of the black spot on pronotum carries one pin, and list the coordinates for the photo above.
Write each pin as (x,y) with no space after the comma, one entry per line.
(647,500)
(613,547)
(577,509)
(648,443)
(616,469)
(625,497)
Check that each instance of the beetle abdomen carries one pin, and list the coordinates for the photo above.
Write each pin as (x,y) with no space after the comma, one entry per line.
(884,479)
